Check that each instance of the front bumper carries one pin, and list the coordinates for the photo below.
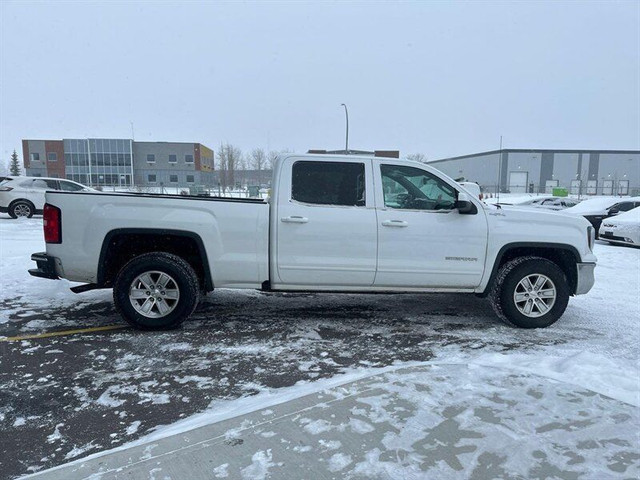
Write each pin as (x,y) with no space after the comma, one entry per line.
(586,277)
(4,209)
(46,266)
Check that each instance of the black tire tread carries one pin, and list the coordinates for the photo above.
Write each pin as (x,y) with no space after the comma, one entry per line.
(191,293)
(495,294)
(18,202)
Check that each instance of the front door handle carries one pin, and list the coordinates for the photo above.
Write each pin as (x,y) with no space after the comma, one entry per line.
(395,223)
(294,219)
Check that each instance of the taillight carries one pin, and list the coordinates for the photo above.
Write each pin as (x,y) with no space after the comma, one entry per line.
(52,222)
(6,189)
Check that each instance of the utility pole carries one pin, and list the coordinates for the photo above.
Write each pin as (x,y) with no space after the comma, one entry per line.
(346,145)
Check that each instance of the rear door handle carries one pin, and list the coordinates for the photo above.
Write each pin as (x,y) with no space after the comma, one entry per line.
(395,223)
(294,219)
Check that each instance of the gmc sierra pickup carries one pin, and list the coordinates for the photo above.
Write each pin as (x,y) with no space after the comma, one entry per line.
(332,224)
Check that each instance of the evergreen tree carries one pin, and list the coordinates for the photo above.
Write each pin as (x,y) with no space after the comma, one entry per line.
(14,165)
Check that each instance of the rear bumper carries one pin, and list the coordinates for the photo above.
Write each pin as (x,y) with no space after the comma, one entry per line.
(586,277)
(46,266)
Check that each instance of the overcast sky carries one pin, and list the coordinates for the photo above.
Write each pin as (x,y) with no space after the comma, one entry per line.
(441,78)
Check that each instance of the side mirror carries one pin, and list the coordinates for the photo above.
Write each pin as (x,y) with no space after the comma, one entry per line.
(613,211)
(464,205)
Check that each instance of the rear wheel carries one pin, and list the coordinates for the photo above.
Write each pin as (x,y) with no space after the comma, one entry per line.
(21,208)
(156,291)
(530,292)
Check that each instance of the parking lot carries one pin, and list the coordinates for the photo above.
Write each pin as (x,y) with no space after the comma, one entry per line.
(83,391)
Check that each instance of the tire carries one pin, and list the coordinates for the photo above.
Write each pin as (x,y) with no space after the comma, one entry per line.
(21,208)
(165,306)
(511,296)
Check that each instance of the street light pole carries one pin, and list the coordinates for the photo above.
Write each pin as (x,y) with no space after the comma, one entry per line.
(346,145)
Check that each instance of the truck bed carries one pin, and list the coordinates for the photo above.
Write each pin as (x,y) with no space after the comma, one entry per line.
(232,232)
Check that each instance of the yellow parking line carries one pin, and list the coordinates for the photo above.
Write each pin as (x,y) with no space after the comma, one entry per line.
(64,332)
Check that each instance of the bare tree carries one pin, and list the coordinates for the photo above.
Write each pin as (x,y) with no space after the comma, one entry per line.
(258,159)
(229,160)
(417,157)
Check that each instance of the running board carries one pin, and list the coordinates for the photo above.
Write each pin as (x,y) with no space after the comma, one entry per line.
(85,288)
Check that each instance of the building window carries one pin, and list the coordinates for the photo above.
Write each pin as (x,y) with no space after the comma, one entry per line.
(151,158)
(188,159)
(190,179)
(35,157)
(151,178)
(173,178)
(173,159)
(52,156)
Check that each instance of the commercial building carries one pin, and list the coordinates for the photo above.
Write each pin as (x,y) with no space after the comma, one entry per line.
(120,162)
(582,172)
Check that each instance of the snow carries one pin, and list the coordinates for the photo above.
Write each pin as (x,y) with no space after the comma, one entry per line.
(515,198)
(339,461)
(596,205)
(259,468)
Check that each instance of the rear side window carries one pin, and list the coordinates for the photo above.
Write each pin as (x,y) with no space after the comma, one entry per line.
(41,184)
(328,183)
(70,187)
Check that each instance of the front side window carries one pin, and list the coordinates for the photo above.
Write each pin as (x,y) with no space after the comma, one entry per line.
(329,183)
(624,206)
(410,188)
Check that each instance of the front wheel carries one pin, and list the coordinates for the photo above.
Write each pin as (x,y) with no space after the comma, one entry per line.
(530,292)
(156,291)
(21,208)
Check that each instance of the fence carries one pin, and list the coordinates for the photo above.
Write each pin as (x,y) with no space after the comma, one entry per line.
(575,188)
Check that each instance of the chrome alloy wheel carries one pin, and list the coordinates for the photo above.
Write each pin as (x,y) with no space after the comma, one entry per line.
(535,295)
(22,210)
(154,294)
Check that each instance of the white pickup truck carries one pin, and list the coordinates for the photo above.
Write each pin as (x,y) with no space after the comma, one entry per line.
(333,224)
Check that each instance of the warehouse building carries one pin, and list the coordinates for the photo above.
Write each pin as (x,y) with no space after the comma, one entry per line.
(581,172)
(120,162)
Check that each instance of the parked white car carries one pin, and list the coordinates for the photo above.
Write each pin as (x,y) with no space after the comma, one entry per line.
(596,209)
(622,229)
(334,224)
(24,196)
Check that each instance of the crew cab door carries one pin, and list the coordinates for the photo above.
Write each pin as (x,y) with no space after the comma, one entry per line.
(326,223)
(423,241)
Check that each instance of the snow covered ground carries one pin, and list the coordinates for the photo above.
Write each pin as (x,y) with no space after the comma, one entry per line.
(65,397)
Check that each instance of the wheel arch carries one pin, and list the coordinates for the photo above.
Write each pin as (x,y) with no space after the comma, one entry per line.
(26,200)
(121,245)
(564,255)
